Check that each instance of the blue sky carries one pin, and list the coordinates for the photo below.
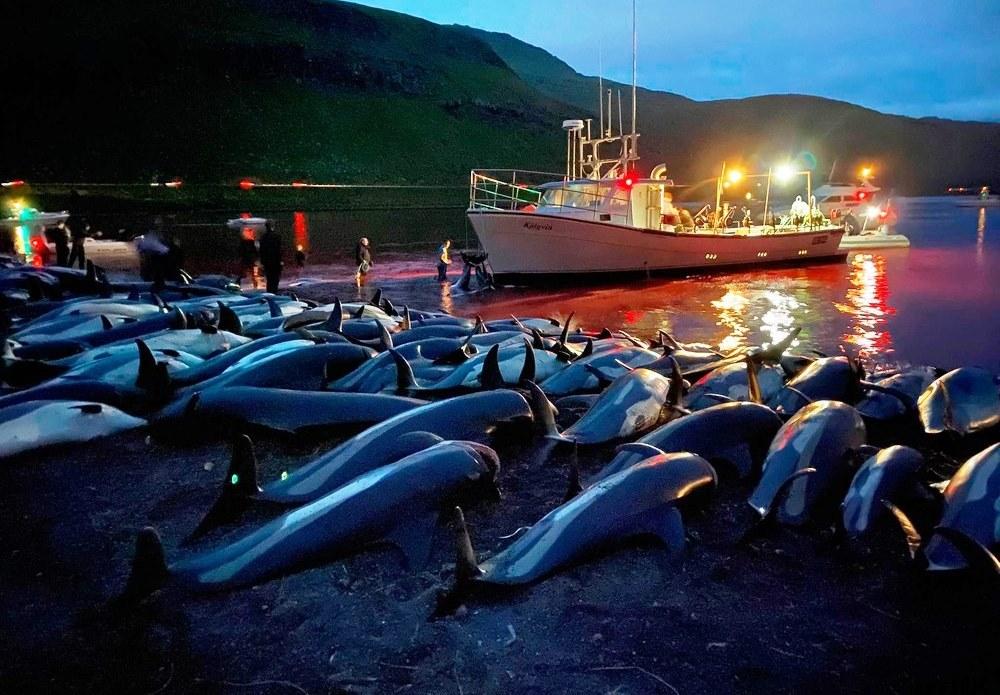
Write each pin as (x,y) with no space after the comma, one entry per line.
(914,58)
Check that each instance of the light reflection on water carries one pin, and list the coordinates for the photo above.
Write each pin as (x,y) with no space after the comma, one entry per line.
(934,303)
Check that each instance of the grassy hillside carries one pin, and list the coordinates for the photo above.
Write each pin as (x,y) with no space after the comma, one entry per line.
(693,138)
(214,89)
(217,90)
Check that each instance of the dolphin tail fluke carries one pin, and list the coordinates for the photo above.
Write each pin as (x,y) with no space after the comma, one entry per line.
(238,489)
(528,370)
(149,569)
(405,379)
(774,352)
(491,377)
(978,557)
(229,321)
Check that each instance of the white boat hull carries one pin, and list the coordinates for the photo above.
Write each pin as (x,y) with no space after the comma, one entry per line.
(874,241)
(522,244)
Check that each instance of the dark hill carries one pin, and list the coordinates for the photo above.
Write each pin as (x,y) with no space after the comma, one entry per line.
(693,137)
(214,90)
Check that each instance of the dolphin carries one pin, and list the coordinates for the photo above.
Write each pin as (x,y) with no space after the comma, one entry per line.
(37,424)
(219,410)
(971,510)
(398,503)
(636,402)
(731,382)
(887,404)
(254,351)
(884,476)
(963,400)
(828,378)
(579,375)
(737,433)
(821,438)
(459,417)
(640,500)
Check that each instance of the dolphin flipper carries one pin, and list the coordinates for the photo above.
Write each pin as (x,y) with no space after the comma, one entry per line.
(668,526)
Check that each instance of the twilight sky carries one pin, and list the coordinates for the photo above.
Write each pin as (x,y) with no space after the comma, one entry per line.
(939,58)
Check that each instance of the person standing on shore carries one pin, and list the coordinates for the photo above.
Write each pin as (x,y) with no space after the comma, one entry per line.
(443,260)
(270,257)
(78,228)
(61,239)
(248,257)
(363,257)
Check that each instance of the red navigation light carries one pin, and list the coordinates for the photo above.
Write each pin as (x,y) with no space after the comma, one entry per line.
(628,180)
(176,183)
(246,184)
(862,195)
(12,184)
(299,184)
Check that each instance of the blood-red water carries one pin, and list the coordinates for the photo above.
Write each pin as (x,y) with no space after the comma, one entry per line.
(935,302)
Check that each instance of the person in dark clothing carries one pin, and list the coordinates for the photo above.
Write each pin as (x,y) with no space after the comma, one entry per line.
(363,257)
(78,229)
(270,257)
(443,260)
(60,237)
(248,257)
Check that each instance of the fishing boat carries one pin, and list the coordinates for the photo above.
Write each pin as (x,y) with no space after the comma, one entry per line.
(600,217)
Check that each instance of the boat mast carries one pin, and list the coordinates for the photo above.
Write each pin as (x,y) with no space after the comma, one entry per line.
(600,84)
(634,154)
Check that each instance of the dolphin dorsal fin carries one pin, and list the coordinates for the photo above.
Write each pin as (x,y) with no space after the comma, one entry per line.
(491,377)
(588,349)
(573,485)
(272,308)
(564,336)
(229,320)
(335,323)
(149,568)
(537,339)
(407,323)
(146,377)
(106,323)
(466,569)
(385,339)
(360,313)
(605,334)
(405,379)
(528,370)
(376,300)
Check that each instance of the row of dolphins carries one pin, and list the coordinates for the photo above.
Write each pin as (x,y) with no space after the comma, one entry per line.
(416,393)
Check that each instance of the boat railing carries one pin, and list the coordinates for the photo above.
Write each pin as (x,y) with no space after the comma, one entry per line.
(506,189)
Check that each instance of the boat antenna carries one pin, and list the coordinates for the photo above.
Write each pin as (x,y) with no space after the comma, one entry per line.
(833,168)
(600,83)
(610,127)
(634,143)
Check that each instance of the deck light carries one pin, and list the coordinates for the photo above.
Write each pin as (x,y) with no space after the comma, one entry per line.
(866,173)
(246,184)
(784,173)
(735,175)
(12,184)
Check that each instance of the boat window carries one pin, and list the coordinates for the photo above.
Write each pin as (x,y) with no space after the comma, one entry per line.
(575,196)
(832,199)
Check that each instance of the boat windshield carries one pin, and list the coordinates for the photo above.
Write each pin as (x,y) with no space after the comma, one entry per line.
(576,195)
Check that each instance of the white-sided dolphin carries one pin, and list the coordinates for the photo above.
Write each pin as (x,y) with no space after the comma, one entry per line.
(37,424)
(884,476)
(963,400)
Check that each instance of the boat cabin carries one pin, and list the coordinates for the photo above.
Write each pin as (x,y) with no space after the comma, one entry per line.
(643,203)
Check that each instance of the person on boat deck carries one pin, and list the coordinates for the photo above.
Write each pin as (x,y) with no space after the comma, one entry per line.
(60,238)
(363,257)
(443,260)
(799,211)
(270,257)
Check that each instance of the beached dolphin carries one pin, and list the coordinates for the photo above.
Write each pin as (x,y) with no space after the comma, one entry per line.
(253,352)
(37,424)
(399,504)
(461,417)
(885,476)
(828,378)
(972,510)
(636,402)
(737,433)
(640,500)
(963,400)
(731,383)
(64,328)
(883,405)
(579,376)
(217,412)
(822,437)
